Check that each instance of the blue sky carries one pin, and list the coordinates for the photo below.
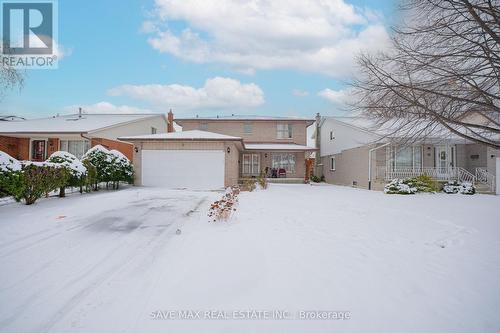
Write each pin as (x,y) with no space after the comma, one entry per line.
(272,61)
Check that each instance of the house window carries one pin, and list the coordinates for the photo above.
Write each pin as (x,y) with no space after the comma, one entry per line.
(203,127)
(284,131)
(332,135)
(75,147)
(248,128)
(284,161)
(332,163)
(251,164)
(153,130)
(407,157)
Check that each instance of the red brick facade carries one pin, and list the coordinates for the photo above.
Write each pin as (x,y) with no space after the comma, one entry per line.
(123,147)
(18,148)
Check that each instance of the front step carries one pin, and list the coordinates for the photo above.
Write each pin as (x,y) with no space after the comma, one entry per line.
(483,189)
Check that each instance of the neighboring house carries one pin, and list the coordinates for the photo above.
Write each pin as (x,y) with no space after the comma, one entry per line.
(218,152)
(36,139)
(354,154)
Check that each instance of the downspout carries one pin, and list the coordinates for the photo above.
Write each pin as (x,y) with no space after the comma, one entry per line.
(370,163)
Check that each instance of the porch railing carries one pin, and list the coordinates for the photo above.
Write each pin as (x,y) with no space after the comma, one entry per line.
(483,176)
(440,174)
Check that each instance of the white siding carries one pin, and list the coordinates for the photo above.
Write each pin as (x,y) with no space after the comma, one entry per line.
(346,137)
(136,128)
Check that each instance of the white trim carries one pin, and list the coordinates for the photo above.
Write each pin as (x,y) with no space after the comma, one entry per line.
(251,165)
(31,147)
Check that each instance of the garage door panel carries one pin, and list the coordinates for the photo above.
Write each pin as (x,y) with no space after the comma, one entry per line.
(194,169)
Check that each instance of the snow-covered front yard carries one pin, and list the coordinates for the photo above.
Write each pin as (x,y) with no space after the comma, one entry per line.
(113,262)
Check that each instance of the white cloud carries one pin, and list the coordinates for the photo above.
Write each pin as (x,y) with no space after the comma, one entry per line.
(300,93)
(339,97)
(217,92)
(316,36)
(105,107)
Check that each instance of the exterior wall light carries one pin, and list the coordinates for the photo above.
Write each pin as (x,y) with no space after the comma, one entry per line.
(228,150)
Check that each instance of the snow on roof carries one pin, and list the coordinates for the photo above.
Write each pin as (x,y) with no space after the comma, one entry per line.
(243,117)
(276,146)
(70,123)
(399,128)
(184,135)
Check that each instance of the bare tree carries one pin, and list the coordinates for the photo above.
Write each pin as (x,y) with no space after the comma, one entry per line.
(442,73)
(9,78)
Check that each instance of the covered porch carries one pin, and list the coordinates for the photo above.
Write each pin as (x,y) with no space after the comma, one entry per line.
(442,162)
(279,163)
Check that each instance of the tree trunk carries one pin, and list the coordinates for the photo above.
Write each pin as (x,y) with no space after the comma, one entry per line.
(62,192)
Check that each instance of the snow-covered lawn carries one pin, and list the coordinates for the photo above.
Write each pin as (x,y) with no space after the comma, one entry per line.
(112,262)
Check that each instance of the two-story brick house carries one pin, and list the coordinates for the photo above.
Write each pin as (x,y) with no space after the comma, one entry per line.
(219,151)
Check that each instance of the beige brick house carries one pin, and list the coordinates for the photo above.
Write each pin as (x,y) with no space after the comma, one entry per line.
(220,151)
(353,153)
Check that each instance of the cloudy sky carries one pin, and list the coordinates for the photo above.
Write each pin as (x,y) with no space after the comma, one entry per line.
(274,57)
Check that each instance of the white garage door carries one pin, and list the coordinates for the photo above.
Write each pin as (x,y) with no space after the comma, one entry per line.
(193,169)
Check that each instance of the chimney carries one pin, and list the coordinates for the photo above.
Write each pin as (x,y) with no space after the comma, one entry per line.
(170,119)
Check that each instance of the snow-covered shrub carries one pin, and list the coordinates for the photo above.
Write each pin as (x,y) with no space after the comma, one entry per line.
(77,171)
(423,183)
(222,209)
(111,166)
(102,159)
(457,187)
(10,175)
(400,186)
(39,178)
(123,169)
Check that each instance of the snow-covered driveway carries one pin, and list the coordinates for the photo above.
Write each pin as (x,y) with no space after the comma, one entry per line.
(111,262)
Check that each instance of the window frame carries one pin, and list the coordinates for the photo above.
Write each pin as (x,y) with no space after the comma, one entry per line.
(86,147)
(247,126)
(253,164)
(154,130)
(290,168)
(332,135)
(284,131)
(333,163)
(203,127)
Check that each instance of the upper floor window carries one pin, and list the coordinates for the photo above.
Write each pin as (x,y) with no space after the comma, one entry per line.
(284,131)
(248,128)
(153,130)
(203,127)
(332,135)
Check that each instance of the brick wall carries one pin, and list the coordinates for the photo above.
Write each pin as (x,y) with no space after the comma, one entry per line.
(53,146)
(18,148)
(123,147)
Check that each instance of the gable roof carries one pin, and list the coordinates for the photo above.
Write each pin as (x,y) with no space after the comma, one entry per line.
(184,135)
(72,123)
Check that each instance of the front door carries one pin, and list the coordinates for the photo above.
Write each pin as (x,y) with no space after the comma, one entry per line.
(445,161)
(38,150)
